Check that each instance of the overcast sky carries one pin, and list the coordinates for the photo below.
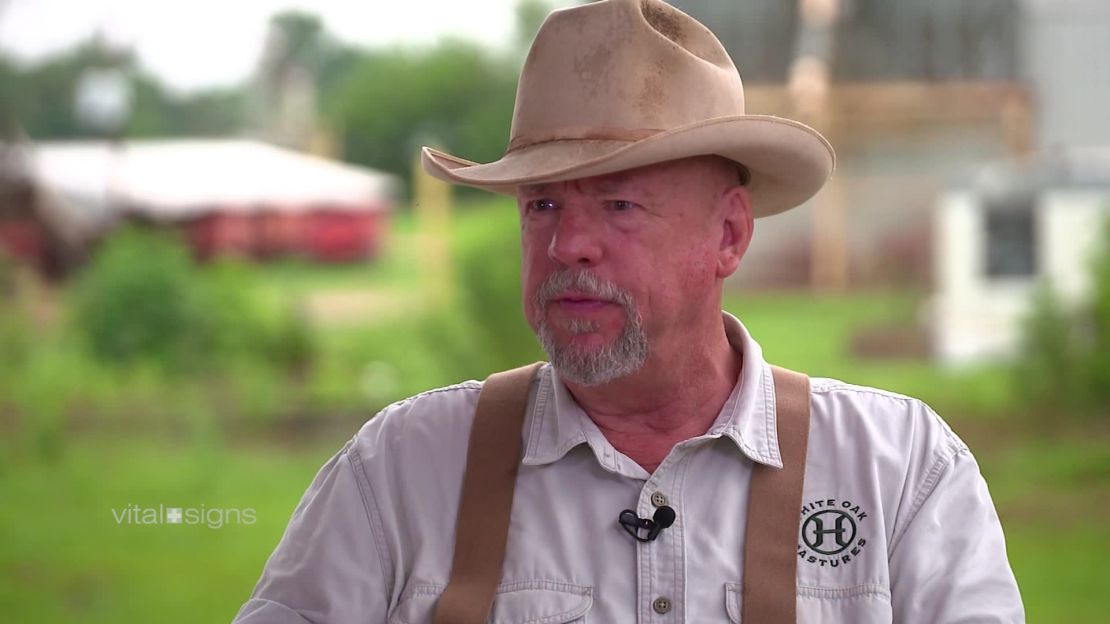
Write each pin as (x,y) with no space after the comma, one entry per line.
(203,43)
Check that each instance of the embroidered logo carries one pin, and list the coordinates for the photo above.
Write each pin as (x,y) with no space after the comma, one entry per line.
(831,532)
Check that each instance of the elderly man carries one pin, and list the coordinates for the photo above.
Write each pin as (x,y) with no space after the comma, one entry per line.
(658,469)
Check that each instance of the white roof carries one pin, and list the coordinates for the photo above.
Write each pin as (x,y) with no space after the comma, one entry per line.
(1064,168)
(173,179)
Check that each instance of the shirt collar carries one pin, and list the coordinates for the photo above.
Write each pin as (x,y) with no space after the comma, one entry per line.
(556,423)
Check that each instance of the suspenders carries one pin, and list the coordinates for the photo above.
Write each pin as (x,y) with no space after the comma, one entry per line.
(494,452)
(482,525)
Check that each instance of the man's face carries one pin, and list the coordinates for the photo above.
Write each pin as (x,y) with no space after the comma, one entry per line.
(618,265)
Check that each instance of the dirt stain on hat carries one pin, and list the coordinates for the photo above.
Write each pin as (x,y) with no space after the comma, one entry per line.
(663,20)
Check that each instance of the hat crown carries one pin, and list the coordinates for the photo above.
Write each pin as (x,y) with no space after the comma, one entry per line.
(621,70)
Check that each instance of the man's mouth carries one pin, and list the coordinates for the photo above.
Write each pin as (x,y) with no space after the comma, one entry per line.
(580,302)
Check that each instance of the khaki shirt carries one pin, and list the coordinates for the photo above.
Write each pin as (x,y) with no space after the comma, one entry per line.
(896,522)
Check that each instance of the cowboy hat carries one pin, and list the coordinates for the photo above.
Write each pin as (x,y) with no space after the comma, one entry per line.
(620,84)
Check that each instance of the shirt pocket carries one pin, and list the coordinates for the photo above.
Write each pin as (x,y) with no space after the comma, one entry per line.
(862,604)
(516,602)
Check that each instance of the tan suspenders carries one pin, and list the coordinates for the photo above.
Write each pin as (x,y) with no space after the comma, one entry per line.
(482,526)
(494,452)
(775,510)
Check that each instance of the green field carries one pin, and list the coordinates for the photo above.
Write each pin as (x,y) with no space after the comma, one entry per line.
(65,558)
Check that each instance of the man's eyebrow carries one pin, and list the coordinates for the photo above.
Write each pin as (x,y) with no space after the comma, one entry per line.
(613,183)
(533,189)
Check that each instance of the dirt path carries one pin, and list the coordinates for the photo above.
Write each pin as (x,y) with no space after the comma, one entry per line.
(355,306)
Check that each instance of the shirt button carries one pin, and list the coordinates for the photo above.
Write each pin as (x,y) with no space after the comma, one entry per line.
(658,499)
(661,605)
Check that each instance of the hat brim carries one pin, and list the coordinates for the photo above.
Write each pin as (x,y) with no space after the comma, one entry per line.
(789,161)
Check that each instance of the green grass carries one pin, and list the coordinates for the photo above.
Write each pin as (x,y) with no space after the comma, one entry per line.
(65,559)
(813,333)
(1061,573)
(1052,491)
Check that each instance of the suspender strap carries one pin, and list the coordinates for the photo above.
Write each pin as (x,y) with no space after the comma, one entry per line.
(482,528)
(774,510)
(493,455)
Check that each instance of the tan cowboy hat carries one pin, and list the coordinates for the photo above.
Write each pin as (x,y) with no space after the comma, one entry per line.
(620,84)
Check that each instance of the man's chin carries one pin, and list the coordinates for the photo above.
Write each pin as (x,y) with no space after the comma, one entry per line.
(582,343)
(590,354)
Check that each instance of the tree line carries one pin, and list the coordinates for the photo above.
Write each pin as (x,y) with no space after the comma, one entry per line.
(379,104)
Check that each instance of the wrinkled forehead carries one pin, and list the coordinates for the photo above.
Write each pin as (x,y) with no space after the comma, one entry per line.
(651,179)
(656,179)
(609,183)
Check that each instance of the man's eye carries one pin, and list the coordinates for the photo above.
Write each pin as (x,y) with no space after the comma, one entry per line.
(621,205)
(541,205)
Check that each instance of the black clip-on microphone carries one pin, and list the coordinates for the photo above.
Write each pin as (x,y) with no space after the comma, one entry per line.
(663,518)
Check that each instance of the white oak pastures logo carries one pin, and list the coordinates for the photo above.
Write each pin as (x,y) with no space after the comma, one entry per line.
(211,517)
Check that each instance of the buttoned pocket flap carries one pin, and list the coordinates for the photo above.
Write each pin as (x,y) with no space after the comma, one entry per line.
(734,600)
(862,604)
(516,602)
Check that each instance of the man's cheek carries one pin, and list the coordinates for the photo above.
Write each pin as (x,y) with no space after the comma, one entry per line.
(533,312)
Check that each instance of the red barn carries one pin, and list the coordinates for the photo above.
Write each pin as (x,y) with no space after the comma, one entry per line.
(228,197)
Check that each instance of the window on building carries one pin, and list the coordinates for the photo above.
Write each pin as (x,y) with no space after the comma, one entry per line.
(1011,237)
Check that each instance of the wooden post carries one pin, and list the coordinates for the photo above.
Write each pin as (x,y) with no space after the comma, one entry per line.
(809,91)
(432,206)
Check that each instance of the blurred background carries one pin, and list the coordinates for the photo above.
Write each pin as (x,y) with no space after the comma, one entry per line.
(218,259)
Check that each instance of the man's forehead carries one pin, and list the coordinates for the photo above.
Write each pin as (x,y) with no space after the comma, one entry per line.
(642,179)
(605,184)
(652,179)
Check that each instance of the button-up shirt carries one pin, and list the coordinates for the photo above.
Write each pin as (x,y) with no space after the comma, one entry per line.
(896,521)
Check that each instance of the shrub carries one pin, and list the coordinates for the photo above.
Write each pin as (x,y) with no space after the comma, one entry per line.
(1048,369)
(1098,363)
(485,331)
(139,299)
(1065,361)
(142,298)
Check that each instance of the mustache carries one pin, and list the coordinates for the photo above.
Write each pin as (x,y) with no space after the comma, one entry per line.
(583,281)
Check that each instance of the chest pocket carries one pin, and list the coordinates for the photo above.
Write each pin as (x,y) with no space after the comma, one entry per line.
(516,602)
(863,604)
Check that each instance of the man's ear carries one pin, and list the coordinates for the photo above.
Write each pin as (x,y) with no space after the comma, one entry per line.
(737,226)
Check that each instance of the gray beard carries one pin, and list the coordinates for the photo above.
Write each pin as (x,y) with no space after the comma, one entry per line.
(624,356)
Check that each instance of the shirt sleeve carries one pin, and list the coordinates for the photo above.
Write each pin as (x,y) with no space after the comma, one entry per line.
(949,563)
(326,567)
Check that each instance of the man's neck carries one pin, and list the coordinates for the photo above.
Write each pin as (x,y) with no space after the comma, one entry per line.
(675,396)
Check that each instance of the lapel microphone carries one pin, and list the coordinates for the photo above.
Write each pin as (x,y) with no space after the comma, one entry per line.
(663,518)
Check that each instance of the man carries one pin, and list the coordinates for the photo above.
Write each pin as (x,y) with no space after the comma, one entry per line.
(638,177)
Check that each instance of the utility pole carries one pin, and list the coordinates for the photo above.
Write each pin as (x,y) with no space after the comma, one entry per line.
(809,86)
(432,205)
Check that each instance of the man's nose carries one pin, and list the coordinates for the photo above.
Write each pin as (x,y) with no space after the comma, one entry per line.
(577,240)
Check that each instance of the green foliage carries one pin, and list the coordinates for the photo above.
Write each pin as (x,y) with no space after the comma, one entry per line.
(41,99)
(302,37)
(1099,364)
(158,113)
(15,328)
(488,266)
(303,42)
(139,300)
(142,298)
(1065,358)
(241,320)
(1049,368)
(456,95)
(529,16)
(484,330)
